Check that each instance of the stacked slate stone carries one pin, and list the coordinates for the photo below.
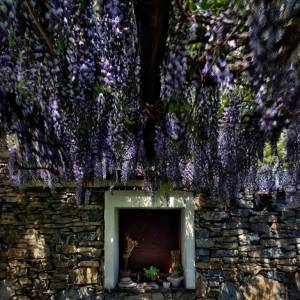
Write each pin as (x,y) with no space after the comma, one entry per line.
(250,252)
(51,247)
(48,243)
(126,283)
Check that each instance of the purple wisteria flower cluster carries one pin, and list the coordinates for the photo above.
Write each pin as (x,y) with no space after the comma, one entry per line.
(70,85)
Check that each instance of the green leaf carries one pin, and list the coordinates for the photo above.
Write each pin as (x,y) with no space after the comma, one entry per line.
(21,87)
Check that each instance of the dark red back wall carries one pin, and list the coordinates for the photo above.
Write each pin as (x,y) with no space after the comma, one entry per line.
(157,231)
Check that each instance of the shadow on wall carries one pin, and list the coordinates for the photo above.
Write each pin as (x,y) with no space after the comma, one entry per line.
(249,251)
(49,244)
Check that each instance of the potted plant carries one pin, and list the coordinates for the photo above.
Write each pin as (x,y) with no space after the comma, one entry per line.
(151,273)
(175,277)
(131,244)
(176,270)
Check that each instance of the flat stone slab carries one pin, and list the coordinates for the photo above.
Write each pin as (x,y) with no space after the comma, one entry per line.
(178,295)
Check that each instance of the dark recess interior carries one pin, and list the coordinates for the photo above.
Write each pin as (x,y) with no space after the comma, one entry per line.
(157,231)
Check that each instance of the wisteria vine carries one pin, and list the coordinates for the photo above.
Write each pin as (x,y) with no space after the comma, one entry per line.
(70,90)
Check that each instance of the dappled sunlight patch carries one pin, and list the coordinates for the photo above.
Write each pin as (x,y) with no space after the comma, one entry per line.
(84,276)
(37,247)
(260,287)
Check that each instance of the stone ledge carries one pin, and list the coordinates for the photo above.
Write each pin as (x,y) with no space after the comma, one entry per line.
(182,294)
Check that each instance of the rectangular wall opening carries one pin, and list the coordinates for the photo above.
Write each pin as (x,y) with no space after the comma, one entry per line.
(133,209)
(157,232)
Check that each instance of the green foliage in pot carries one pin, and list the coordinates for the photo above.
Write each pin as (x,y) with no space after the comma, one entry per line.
(177,269)
(151,272)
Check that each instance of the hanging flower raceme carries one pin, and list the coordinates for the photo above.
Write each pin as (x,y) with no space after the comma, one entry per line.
(71,108)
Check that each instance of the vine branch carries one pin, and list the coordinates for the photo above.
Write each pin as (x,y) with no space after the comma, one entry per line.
(39,26)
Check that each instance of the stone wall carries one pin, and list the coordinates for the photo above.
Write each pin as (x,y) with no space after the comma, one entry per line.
(247,252)
(52,248)
(48,243)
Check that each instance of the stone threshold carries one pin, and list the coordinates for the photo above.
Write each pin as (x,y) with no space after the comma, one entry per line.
(151,290)
(157,294)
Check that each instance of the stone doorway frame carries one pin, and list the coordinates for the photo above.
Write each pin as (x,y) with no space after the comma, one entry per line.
(138,199)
